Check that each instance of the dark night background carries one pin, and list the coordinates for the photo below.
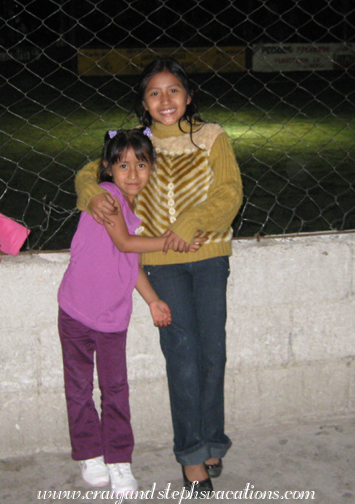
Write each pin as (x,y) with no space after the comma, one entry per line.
(41,92)
(159,23)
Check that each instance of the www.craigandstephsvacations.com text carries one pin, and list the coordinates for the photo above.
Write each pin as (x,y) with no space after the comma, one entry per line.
(180,496)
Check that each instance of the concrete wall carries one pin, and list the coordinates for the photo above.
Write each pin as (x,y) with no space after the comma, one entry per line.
(291,344)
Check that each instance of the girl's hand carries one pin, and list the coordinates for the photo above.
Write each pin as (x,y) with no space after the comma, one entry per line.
(101,207)
(197,242)
(179,245)
(173,241)
(161,313)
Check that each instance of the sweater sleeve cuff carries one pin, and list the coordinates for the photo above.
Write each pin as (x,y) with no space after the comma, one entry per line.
(184,230)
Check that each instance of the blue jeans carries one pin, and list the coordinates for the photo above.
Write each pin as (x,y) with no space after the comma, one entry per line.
(194,346)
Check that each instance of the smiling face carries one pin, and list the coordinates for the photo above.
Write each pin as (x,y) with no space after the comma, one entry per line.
(165,98)
(130,174)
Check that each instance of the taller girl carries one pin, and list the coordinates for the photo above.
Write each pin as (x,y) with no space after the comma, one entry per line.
(195,189)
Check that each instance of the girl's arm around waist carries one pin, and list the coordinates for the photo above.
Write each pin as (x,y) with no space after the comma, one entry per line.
(126,242)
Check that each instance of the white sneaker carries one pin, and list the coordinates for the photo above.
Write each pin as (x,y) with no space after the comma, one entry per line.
(95,472)
(122,479)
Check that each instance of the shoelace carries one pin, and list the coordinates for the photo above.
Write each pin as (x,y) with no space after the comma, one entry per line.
(121,470)
(91,462)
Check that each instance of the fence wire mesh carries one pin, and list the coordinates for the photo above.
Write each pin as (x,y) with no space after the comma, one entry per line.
(279,76)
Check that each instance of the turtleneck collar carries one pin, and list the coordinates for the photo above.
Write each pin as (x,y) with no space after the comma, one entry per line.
(162,131)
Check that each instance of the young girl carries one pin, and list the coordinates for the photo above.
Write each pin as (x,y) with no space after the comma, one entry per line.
(195,188)
(95,304)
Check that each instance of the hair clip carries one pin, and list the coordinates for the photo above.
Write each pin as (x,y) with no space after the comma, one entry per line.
(112,133)
(147,132)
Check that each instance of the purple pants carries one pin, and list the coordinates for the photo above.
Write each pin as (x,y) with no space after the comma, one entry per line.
(111,437)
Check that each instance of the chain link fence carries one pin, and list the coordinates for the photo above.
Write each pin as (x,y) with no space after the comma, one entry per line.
(279,76)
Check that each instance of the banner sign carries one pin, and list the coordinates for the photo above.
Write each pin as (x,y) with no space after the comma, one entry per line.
(302,57)
(23,54)
(132,61)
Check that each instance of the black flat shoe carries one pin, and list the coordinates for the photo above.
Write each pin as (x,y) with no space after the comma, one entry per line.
(199,488)
(214,470)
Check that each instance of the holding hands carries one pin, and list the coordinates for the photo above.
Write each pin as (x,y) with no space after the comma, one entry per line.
(173,241)
(103,205)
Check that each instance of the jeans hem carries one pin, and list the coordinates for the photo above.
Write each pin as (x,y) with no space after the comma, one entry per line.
(202,452)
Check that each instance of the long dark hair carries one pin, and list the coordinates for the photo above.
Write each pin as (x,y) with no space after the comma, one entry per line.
(115,145)
(159,65)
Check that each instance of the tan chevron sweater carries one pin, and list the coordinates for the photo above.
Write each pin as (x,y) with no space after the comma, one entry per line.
(191,189)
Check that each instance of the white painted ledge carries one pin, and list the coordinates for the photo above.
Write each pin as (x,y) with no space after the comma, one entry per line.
(291,344)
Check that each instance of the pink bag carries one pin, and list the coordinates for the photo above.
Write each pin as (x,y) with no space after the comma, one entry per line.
(12,235)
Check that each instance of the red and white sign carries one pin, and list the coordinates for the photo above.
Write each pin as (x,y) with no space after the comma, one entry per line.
(302,57)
